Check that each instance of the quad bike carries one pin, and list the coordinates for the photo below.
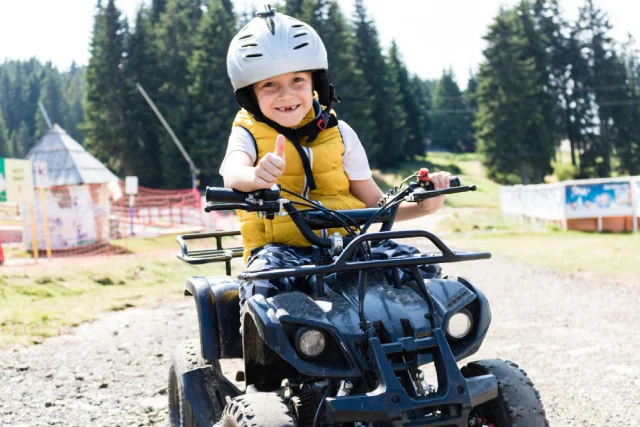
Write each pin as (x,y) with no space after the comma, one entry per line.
(348,347)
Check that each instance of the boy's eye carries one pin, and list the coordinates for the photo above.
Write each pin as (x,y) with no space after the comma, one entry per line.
(269,84)
(298,79)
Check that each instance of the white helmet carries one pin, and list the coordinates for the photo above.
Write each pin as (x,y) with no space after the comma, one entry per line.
(272,44)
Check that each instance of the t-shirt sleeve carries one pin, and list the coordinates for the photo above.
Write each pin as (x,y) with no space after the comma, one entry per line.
(240,140)
(354,159)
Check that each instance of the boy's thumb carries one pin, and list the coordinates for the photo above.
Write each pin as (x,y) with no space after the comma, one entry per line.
(279,146)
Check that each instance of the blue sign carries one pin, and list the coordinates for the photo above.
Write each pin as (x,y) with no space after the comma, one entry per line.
(602,199)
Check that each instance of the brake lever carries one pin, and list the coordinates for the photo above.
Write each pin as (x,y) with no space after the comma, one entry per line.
(419,195)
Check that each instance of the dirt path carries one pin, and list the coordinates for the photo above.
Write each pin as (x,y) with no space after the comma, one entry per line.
(576,338)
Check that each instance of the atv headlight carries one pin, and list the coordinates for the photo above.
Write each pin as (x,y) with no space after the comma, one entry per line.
(311,342)
(460,324)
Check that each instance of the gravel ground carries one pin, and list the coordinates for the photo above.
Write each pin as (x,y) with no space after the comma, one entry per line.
(576,336)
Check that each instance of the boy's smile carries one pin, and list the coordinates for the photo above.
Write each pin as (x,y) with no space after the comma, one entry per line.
(285,98)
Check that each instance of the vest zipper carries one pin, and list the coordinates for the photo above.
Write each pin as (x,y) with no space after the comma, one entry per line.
(305,188)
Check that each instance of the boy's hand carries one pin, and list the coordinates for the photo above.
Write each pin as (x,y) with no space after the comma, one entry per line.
(271,166)
(440,180)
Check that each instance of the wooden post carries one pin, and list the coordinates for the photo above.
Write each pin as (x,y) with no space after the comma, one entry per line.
(635,197)
(45,222)
(34,238)
(564,207)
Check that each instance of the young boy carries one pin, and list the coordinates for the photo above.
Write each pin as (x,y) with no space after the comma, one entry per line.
(283,135)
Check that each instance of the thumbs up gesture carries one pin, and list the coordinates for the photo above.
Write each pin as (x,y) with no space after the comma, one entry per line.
(271,166)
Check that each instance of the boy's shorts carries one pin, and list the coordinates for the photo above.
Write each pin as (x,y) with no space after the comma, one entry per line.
(276,255)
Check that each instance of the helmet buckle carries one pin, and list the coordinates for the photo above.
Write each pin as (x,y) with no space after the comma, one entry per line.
(323,121)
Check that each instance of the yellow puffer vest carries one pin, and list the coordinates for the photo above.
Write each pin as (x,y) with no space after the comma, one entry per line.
(332,184)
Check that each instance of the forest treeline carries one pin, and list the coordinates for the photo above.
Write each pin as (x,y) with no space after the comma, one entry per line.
(544,79)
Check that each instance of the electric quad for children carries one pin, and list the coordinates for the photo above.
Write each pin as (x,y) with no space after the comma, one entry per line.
(347,348)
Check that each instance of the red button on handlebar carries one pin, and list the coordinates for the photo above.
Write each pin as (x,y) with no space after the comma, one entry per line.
(423,175)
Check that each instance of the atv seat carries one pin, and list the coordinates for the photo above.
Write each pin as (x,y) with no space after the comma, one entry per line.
(218,304)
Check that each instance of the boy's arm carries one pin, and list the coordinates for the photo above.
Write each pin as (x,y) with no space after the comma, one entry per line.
(368,192)
(240,174)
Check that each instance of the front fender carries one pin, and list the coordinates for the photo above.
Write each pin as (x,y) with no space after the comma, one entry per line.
(268,325)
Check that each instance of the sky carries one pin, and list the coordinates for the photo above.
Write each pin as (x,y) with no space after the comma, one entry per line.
(431,34)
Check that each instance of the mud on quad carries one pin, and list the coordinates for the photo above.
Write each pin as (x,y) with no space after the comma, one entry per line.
(345,350)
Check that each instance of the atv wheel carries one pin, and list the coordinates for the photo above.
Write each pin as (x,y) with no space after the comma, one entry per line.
(185,358)
(257,409)
(518,402)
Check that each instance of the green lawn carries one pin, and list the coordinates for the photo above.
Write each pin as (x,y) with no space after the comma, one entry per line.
(44,300)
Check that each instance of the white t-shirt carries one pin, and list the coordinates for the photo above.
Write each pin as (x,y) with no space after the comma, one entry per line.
(354,159)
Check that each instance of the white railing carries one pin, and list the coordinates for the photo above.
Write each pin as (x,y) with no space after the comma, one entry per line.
(579,199)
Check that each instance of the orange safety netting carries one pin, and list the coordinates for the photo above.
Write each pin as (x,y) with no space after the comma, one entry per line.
(85,220)
(152,212)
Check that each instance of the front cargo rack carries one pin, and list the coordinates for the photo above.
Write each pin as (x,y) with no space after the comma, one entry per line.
(204,256)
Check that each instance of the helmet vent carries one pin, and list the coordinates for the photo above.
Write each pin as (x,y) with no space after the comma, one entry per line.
(249,45)
(297,25)
(300,46)
(299,35)
(245,37)
(254,55)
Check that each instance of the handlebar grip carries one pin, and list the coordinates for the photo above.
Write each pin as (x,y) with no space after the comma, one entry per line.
(455,182)
(225,195)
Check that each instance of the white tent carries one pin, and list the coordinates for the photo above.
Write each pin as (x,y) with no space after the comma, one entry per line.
(77,197)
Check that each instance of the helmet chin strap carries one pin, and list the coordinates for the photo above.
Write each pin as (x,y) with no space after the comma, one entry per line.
(322,120)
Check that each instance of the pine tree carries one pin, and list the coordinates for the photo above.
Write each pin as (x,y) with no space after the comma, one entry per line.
(346,76)
(627,114)
(470,92)
(75,88)
(174,37)
(213,105)
(157,9)
(54,101)
(451,118)
(509,112)
(294,8)
(423,97)
(104,102)
(5,144)
(388,144)
(415,143)
(144,131)
(21,141)
(544,138)
(609,89)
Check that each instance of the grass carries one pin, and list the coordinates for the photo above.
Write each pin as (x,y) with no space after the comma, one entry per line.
(605,255)
(45,300)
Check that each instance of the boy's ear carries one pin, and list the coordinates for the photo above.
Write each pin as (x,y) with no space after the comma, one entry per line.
(247,99)
(321,84)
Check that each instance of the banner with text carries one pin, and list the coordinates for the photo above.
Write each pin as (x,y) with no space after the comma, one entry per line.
(16,180)
(604,199)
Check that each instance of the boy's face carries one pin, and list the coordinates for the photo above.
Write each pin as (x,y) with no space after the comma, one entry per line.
(285,98)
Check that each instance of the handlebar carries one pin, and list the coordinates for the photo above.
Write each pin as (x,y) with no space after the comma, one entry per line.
(270,203)
(228,195)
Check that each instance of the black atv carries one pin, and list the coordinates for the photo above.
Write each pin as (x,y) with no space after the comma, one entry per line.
(346,351)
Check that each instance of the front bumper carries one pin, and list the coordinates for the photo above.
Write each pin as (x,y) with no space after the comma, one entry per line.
(390,402)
